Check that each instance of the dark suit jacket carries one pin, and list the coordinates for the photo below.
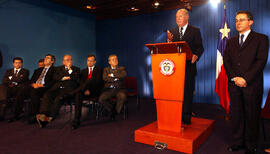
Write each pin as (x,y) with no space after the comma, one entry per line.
(48,77)
(118,80)
(95,84)
(21,78)
(247,61)
(1,59)
(60,72)
(193,38)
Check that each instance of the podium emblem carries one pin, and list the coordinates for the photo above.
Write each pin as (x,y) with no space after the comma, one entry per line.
(167,67)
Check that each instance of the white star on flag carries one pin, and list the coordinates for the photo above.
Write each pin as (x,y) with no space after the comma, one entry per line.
(225,31)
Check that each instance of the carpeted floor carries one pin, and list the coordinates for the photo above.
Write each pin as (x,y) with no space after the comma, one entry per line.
(106,137)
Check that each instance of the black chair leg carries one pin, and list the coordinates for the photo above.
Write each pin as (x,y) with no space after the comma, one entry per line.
(98,110)
(138,103)
(125,111)
(93,106)
(70,107)
(263,129)
(89,109)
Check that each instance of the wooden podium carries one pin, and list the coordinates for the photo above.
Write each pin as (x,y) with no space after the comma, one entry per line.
(168,73)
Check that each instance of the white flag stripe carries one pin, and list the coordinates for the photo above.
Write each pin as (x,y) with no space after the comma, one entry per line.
(219,63)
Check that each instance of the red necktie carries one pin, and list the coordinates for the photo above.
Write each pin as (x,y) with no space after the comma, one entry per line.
(90,74)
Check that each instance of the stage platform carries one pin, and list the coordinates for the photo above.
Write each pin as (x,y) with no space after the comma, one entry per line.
(188,140)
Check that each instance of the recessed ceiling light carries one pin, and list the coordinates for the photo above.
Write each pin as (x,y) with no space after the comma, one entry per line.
(133,9)
(156,3)
(90,7)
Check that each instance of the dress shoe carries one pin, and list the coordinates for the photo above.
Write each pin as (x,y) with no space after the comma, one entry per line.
(112,116)
(32,120)
(15,118)
(235,148)
(186,121)
(42,124)
(43,120)
(250,151)
(2,118)
(75,125)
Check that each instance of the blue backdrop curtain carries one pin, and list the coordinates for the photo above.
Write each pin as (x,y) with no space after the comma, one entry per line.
(32,28)
(126,38)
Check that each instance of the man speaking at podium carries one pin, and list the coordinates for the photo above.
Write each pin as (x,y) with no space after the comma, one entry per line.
(192,35)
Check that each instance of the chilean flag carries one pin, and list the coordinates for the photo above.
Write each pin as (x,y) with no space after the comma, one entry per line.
(221,87)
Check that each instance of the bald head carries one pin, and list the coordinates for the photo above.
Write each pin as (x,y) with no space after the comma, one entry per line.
(67,60)
(182,17)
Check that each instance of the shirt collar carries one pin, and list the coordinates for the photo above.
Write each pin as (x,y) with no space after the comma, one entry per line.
(245,35)
(184,28)
(47,67)
(67,67)
(114,67)
(92,68)
(17,69)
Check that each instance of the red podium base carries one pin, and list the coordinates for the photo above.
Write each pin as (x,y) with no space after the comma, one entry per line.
(187,141)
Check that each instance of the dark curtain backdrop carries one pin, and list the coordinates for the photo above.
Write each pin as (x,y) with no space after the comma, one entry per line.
(32,28)
(126,38)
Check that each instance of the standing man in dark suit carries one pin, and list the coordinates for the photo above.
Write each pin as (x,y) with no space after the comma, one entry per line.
(192,35)
(14,84)
(66,81)
(41,81)
(245,57)
(91,84)
(113,77)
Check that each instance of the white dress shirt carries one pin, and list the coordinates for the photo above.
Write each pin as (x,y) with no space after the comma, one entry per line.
(245,36)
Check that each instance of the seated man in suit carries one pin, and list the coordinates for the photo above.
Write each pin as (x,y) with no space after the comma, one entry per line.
(1,59)
(41,81)
(66,81)
(91,84)
(113,77)
(14,84)
(41,63)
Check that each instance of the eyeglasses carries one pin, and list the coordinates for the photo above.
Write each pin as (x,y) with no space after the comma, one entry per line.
(241,20)
(67,59)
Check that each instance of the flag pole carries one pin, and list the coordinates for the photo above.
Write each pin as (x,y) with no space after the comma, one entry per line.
(227,117)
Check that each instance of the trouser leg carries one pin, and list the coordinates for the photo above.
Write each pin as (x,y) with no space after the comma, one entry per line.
(78,107)
(57,103)
(19,99)
(237,120)
(47,101)
(104,99)
(252,109)
(121,97)
(188,94)
(35,95)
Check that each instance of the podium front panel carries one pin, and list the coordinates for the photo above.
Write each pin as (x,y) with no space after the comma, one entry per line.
(168,80)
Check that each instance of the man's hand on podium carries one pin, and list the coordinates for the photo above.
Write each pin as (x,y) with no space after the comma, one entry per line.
(169,36)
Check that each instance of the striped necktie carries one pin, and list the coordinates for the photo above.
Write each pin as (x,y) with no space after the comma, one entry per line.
(42,75)
(181,33)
